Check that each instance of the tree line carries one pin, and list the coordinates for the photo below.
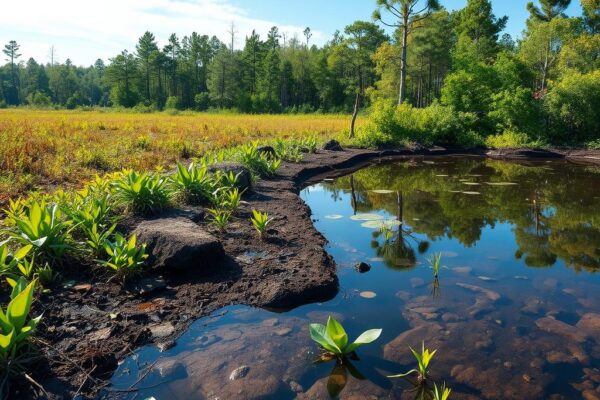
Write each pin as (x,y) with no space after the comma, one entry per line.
(458,58)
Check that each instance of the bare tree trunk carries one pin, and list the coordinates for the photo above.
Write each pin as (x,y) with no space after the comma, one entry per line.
(354,114)
(402,94)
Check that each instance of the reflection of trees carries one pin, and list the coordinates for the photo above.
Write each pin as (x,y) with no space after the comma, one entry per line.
(554,207)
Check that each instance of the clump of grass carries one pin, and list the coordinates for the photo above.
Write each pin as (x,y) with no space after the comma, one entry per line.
(219,218)
(259,163)
(125,257)
(423,361)
(441,393)
(193,183)
(142,193)
(435,263)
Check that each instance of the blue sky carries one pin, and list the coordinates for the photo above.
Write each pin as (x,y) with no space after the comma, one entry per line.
(84,30)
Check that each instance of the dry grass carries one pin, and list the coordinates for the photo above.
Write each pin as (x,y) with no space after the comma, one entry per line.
(49,149)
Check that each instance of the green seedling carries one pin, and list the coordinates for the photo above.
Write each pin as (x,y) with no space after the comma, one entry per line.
(220,218)
(423,360)
(125,258)
(333,338)
(435,263)
(260,221)
(441,393)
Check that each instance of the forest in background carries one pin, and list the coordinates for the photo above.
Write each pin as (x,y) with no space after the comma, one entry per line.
(458,80)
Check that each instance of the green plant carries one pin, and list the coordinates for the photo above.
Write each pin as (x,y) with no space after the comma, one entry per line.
(96,238)
(423,360)
(220,218)
(11,262)
(260,221)
(142,193)
(441,393)
(193,183)
(16,329)
(435,263)
(41,226)
(258,162)
(227,180)
(333,338)
(125,258)
(47,276)
(230,199)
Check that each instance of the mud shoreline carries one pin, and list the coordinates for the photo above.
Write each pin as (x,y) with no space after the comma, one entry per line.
(90,325)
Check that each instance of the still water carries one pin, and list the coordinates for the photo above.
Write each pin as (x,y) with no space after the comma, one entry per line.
(514,314)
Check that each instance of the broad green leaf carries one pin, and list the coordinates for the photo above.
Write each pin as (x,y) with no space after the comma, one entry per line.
(318,333)
(366,337)
(22,252)
(6,340)
(337,333)
(18,308)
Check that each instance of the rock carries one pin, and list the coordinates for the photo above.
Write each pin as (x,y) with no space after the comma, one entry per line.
(149,285)
(296,387)
(177,244)
(486,278)
(283,331)
(268,150)
(450,317)
(508,365)
(527,378)
(533,306)
(559,328)
(362,267)
(590,394)
(550,283)
(590,325)
(162,330)
(490,294)
(239,373)
(403,295)
(84,287)
(397,349)
(333,145)
(244,181)
(270,322)
(100,334)
(164,346)
(170,367)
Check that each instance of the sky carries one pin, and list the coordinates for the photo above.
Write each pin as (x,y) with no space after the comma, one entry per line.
(84,30)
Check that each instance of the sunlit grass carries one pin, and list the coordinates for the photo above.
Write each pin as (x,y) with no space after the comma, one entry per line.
(49,149)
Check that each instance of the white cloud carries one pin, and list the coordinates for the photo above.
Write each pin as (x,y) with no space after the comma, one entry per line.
(86,30)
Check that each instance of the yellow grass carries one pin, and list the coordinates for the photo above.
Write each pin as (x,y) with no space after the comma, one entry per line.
(48,149)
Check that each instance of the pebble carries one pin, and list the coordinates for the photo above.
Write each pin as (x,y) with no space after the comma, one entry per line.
(167,345)
(283,331)
(527,378)
(239,372)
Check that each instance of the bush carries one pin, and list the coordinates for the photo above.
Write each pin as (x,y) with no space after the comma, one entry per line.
(39,99)
(573,105)
(517,110)
(141,193)
(202,101)
(391,125)
(512,140)
(172,103)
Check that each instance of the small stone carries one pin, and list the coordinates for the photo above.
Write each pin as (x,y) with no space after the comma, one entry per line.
(167,345)
(170,367)
(296,387)
(368,294)
(101,334)
(84,287)
(508,365)
(527,378)
(333,145)
(270,322)
(462,270)
(362,267)
(403,295)
(162,330)
(239,372)
(450,317)
(490,294)
(283,331)
(486,278)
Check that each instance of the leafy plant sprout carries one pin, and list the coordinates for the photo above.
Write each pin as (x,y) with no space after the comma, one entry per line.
(220,218)
(435,263)
(441,393)
(260,221)
(334,340)
(423,360)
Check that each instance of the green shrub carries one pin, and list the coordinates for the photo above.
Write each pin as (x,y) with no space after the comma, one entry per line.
(193,184)
(573,105)
(259,163)
(125,258)
(511,140)
(172,103)
(16,328)
(517,110)
(202,101)
(41,226)
(142,193)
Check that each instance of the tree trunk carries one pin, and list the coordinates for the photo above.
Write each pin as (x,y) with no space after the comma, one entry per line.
(402,94)
(354,114)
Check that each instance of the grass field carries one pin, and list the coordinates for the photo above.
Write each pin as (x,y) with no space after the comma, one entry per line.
(41,150)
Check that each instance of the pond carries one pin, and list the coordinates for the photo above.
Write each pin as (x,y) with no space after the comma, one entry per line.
(514,314)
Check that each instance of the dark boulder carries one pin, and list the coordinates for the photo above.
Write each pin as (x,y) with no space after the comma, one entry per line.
(179,244)
(268,150)
(244,181)
(333,145)
(362,267)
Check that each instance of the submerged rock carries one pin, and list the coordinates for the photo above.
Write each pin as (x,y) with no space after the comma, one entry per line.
(239,373)
(362,267)
(590,325)
(559,328)
(177,244)
(490,294)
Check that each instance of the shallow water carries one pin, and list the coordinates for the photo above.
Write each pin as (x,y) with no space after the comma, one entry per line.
(512,313)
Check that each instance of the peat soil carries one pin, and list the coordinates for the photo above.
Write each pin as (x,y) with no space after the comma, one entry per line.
(89,324)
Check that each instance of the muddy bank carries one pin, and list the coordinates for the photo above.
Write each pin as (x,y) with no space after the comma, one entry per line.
(90,325)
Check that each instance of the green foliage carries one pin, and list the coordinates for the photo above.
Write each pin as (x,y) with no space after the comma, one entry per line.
(333,338)
(13,263)
(435,263)
(423,361)
(172,103)
(142,193)
(229,199)
(41,226)
(259,163)
(219,218)
(517,110)
(194,184)
(391,125)
(125,257)
(573,105)
(441,393)
(260,221)
(512,140)
(16,328)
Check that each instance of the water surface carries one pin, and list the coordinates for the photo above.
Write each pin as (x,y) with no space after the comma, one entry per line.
(512,315)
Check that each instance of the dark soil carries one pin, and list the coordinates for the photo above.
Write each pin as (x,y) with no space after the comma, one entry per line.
(89,325)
